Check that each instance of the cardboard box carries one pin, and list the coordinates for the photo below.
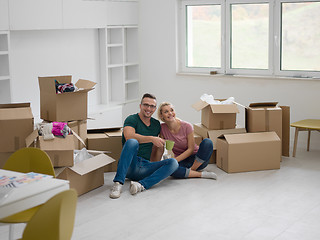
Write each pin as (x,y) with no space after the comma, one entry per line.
(197,138)
(264,117)
(248,152)
(60,150)
(66,106)
(110,141)
(80,128)
(285,130)
(214,134)
(217,116)
(86,175)
(16,123)
(4,157)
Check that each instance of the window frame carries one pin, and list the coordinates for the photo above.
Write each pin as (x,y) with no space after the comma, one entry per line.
(274,47)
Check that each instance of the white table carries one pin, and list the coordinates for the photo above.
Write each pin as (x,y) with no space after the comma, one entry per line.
(30,195)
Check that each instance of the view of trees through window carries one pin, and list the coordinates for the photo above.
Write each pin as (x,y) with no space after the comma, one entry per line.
(249,36)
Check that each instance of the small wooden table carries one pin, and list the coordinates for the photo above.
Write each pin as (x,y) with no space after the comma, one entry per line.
(304,125)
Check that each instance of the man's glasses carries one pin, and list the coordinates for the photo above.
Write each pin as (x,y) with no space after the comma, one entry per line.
(146,105)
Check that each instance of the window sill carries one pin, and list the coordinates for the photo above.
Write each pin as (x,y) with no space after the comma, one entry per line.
(248,76)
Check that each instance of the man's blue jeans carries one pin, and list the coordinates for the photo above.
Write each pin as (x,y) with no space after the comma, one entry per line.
(203,156)
(142,170)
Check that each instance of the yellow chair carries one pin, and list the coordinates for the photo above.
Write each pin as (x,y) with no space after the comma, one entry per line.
(27,160)
(55,219)
(304,125)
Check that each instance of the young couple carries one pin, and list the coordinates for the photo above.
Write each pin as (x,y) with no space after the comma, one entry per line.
(143,146)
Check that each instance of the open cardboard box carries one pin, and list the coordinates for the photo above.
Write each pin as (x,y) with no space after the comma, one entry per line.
(60,150)
(214,134)
(109,140)
(67,106)
(248,152)
(16,123)
(87,174)
(217,116)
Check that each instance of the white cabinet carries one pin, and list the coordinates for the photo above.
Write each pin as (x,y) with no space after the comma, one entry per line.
(5,96)
(119,64)
(35,14)
(4,15)
(84,14)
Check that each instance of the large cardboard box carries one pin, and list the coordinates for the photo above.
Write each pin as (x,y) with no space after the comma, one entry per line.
(66,106)
(285,130)
(268,116)
(110,141)
(248,152)
(85,175)
(60,150)
(264,117)
(16,123)
(214,134)
(217,116)
(197,138)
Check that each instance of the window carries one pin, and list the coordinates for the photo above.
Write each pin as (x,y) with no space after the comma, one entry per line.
(251,37)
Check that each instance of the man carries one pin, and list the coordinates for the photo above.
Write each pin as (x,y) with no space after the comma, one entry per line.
(141,147)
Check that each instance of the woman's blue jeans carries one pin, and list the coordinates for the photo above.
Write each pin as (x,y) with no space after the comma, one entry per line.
(203,156)
(142,170)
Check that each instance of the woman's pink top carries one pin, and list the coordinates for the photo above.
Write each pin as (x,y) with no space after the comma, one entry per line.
(180,139)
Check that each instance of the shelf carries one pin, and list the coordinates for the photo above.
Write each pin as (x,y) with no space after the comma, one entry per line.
(131,81)
(119,64)
(115,45)
(3,78)
(4,52)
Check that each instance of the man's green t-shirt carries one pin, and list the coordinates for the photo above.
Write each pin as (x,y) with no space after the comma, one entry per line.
(134,121)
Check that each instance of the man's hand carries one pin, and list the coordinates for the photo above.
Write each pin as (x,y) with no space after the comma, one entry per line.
(158,142)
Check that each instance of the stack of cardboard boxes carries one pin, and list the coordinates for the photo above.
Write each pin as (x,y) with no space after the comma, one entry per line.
(16,123)
(256,147)
(17,131)
(216,119)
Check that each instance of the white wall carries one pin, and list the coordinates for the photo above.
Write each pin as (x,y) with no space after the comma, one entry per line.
(51,53)
(158,75)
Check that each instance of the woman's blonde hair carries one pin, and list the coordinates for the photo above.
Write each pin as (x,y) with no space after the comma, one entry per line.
(160,109)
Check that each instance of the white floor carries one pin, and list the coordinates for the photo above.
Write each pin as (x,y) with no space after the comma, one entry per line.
(276,204)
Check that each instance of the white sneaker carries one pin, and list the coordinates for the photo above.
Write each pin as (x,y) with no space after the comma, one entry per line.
(116,190)
(136,187)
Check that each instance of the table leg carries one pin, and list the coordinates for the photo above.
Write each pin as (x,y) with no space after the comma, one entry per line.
(295,142)
(308,146)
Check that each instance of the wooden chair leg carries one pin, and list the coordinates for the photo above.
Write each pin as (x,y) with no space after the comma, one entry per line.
(295,142)
(309,134)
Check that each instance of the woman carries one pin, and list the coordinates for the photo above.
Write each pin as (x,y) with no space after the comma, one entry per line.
(191,157)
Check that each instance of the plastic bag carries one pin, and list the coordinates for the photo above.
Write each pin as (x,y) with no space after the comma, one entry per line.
(81,155)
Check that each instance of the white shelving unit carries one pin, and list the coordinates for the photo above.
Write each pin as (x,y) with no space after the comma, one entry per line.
(119,64)
(5,91)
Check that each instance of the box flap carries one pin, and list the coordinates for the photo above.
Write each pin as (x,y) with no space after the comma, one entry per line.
(92,164)
(58,170)
(30,139)
(48,86)
(224,108)
(251,137)
(85,84)
(16,113)
(15,105)
(263,104)
(117,133)
(97,136)
(200,105)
